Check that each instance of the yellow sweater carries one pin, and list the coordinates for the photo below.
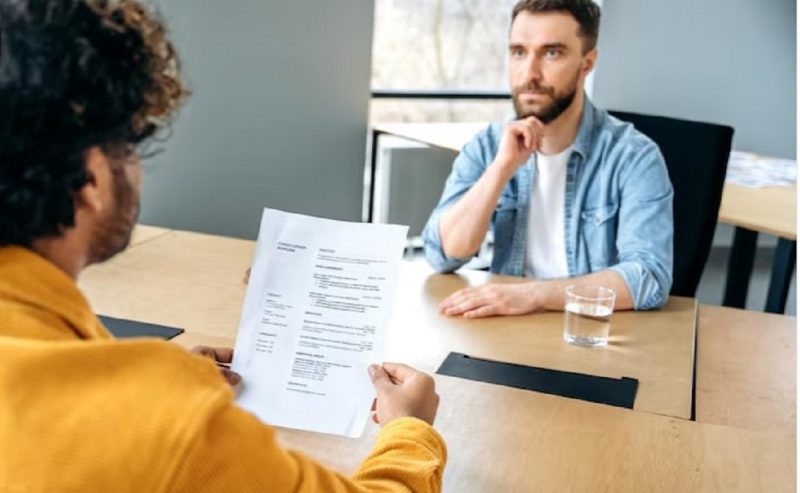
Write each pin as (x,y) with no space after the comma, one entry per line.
(80,411)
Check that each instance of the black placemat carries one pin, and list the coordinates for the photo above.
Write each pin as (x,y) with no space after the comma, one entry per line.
(614,392)
(122,328)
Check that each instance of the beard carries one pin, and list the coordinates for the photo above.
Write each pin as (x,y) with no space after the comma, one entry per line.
(113,232)
(558,102)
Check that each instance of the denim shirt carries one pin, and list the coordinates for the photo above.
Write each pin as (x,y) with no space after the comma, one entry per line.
(617,210)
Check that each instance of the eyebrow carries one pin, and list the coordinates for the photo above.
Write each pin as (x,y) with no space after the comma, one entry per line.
(549,46)
(546,46)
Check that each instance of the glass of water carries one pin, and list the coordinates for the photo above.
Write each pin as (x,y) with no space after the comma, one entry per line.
(587,315)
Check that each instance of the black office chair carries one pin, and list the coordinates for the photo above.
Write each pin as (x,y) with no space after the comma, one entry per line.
(697,155)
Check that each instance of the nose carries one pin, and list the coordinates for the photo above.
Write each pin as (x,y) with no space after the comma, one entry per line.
(532,70)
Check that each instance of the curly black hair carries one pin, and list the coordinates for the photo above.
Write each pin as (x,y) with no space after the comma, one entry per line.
(74,74)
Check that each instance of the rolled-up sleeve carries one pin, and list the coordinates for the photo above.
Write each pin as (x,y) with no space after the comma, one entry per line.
(645,235)
(468,167)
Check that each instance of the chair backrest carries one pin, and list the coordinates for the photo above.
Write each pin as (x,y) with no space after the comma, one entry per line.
(697,155)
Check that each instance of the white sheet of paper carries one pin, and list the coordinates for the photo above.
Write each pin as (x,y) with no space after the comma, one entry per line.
(314,318)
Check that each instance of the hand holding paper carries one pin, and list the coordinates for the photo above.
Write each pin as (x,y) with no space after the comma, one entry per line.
(314,319)
(402,392)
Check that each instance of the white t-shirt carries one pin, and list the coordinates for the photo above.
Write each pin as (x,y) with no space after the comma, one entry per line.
(546,252)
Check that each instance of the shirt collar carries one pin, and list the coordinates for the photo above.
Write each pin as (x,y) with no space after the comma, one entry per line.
(583,140)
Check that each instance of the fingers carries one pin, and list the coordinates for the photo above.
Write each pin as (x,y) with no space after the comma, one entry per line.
(476,301)
(380,379)
(469,299)
(454,299)
(523,133)
(484,311)
(246,278)
(399,372)
(484,301)
(218,354)
(534,123)
(374,410)
(390,374)
(222,356)
(231,377)
(530,130)
(402,391)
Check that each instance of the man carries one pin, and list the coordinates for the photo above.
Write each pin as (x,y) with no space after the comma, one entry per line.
(573,195)
(82,83)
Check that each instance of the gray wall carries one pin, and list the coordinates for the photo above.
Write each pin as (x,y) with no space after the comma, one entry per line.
(721,61)
(278,116)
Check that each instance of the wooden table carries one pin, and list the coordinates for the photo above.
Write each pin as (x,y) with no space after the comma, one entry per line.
(770,210)
(504,439)
(657,348)
(746,370)
(198,268)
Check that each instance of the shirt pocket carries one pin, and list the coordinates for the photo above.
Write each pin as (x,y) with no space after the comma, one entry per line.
(599,232)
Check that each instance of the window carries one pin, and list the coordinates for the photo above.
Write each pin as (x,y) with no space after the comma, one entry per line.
(441,47)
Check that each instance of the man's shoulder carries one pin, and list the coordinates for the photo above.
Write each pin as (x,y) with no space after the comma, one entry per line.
(620,138)
(140,403)
(621,149)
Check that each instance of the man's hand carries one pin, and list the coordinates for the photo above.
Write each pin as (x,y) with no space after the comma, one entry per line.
(520,139)
(402,391)
(246,277)
(491,299)
(222,357)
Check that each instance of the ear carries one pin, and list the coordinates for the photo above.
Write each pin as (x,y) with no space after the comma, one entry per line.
(94,193)
(589,61)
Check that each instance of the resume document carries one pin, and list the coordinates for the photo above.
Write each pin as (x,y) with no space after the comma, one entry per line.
(314,318)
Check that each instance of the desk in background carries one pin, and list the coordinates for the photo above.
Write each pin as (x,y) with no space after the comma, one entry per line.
(505,439)
(144,233)
(769,210)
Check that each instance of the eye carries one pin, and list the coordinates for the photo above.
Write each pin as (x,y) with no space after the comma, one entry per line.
(552,53)
(517,52)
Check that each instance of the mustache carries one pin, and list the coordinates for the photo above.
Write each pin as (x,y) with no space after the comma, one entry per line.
(535,87)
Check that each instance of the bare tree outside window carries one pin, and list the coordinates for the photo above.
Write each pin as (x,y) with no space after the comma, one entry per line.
(435,45)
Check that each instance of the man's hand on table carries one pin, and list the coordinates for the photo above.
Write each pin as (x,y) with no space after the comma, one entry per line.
(492,299)
(402,392)
(222,357)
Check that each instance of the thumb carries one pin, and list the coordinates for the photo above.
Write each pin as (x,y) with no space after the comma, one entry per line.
(380,379)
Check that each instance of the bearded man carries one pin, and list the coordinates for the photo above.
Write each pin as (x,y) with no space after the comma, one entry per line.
(573,195)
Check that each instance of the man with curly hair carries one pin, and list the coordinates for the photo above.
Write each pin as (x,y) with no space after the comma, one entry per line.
(83,83)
